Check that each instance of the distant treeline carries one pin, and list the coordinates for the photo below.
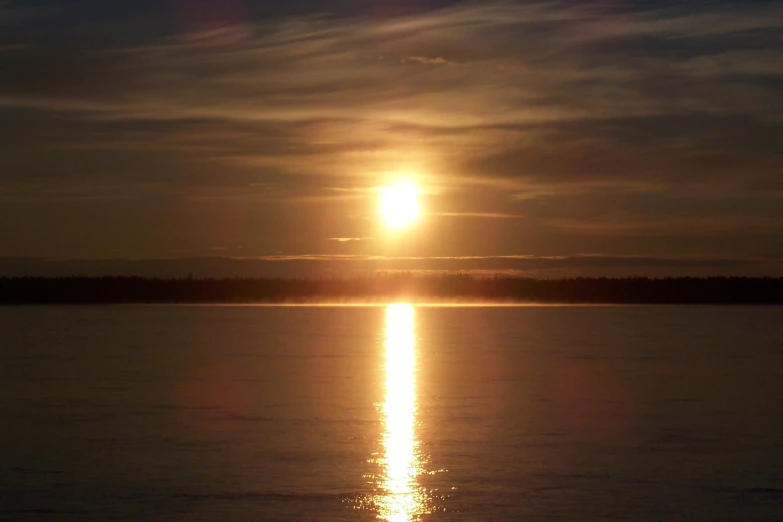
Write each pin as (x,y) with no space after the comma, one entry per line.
(381,287)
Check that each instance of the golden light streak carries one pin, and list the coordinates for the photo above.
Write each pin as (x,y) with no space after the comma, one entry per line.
(403,499)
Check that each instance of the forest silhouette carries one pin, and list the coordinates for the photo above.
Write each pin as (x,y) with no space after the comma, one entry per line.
(392,286)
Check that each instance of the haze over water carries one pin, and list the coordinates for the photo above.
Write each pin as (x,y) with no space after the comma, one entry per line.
(396,413)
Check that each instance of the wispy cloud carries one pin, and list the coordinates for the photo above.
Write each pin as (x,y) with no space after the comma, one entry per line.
(585,119)
(325,265)
(486,215)
(437,60)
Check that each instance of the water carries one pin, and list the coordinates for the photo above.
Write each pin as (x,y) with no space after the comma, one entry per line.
(400,413)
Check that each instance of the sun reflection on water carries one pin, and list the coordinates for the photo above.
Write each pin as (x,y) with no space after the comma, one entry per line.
(402,499)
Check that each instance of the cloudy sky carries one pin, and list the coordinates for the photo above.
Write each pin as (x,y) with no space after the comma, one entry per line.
(547,138)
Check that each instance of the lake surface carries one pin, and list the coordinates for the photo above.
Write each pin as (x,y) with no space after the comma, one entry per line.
(399,413)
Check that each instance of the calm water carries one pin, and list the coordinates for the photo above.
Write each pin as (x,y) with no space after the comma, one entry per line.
(393,413)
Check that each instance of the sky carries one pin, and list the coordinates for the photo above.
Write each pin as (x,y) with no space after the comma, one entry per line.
(237,137)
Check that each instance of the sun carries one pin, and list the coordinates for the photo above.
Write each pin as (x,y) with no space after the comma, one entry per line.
(399,204)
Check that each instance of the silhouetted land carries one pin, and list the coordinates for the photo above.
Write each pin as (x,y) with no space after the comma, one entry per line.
(447,287)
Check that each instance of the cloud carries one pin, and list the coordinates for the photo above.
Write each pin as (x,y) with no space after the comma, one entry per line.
(309,67)
(486,215)
(12,13)
(347,265)
(427,61)
(588,119)
(624,225)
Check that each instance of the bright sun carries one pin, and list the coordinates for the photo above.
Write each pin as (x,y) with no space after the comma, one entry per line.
(399,204)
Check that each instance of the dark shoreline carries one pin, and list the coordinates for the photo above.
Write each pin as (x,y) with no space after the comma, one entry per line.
(446,288)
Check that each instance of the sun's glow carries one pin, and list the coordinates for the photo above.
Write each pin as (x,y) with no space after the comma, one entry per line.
(400,204)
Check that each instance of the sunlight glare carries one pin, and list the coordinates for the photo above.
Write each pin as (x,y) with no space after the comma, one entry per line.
(399,204)
(403,498)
